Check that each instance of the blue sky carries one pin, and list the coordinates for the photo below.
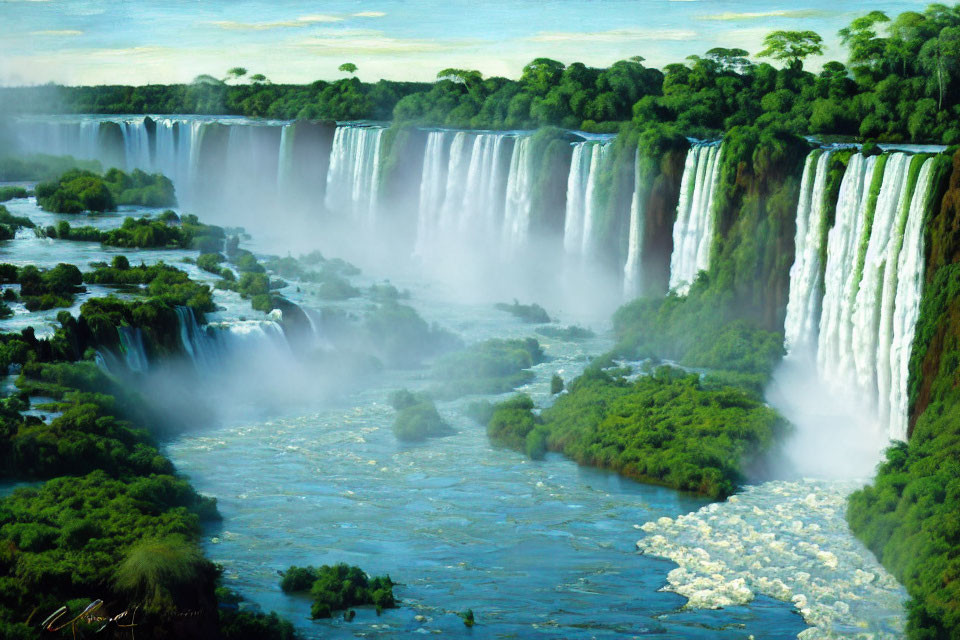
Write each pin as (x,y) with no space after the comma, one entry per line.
(144,41)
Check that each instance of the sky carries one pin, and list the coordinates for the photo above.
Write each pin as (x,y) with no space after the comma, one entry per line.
(80,42)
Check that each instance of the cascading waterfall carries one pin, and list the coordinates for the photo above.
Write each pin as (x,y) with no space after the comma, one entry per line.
(587,164)
(693,229)
(353,179)
(131,346)
(211,346)
(516,217)
(803,303)
(462,188)
(432,191)
(872,279)
(136,145)
(285,162)
(909,288)
(632,272)
(842,275)
(482,202)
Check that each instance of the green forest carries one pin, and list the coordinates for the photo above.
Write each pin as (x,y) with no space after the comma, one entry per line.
(900,81)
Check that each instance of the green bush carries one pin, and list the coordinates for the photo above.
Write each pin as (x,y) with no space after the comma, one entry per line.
(493,366)
(532,313)
(665,428)
(338,587)
(417,417)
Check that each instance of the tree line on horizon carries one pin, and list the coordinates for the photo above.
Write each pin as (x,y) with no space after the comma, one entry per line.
(901,82)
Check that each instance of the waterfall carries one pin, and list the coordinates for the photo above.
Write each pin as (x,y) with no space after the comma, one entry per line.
(354,175)
(516,217)
(868,306)
(841,276)
(803,303)
(693,229)
(632,275)
(588,163)
(196,341)
(462,189)
(131,347)
(136,145)
(576,197)
(432,191)
(910,275)
(285,162)
(457,172)
(482,199)
(872,280)
(212,346)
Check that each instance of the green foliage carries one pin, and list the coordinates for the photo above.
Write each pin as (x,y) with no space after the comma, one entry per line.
(401,338)
(493,366)
(75,192)
(532,313)
(417,417)
(9,223)
(571,334)
(338,587)
(666,428)
(693,331)
(39,167)
(80,190)
(250,625)
(140,188)
(9,193)
(156,571)
(792,46)
(68,537)
(907,518)
(902,83)
(556,384)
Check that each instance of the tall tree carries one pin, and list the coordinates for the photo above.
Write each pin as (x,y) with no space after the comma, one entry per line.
(940,56)
(792,47)
(235,73)
(867,49)
(348,67)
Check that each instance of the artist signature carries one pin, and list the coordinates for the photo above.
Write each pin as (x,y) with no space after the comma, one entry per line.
(92,615)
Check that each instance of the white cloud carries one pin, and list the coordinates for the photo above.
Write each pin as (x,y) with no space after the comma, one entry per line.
(732,16)
(302,21)
(369,14)
(57,32)
(614,35)
(372,43)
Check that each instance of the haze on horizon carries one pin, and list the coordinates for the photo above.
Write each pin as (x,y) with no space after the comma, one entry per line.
(87,42)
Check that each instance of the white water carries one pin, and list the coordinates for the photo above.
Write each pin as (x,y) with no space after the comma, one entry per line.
(867,316)
(516,220)
(693,229)
(632,272)
(786,540)
(432,191)
(588,164)
(803,304)
(909,288)
(354,176)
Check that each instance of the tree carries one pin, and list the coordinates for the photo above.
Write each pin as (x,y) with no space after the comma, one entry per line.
(258,77)
(729,59)
(235,73)
(469,78)
(348,67)
(541,74)
(939,57)
(866,49)
(792,47)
